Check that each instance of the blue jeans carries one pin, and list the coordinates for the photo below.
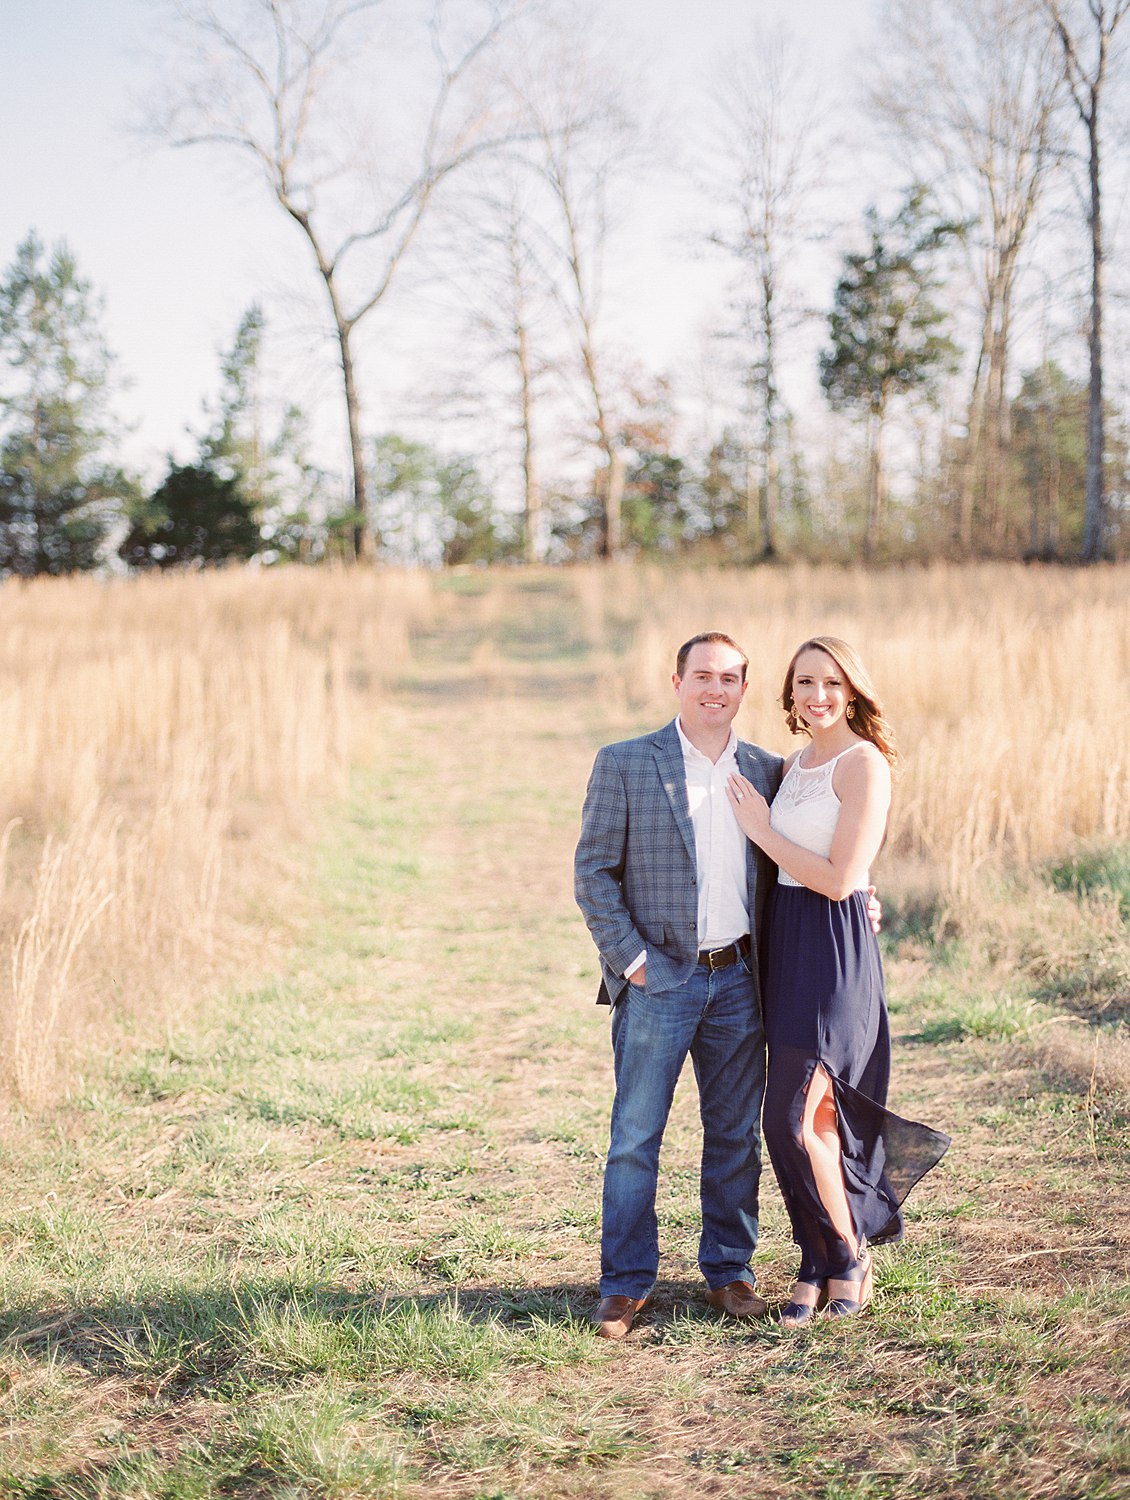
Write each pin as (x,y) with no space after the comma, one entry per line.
(717,1019)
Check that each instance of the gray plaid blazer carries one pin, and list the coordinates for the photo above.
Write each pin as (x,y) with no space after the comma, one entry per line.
(634,875)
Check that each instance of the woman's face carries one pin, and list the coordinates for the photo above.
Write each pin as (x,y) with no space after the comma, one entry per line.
(821,692)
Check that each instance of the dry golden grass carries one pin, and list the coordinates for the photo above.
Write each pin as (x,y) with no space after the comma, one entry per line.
(157,734)
(999,681)
(161,732)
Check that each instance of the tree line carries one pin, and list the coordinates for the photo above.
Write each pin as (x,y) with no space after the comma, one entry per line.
(515,159)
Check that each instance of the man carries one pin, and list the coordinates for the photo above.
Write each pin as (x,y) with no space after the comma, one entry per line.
(673,894)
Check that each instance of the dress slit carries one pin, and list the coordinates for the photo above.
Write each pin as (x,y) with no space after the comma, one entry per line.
(821,1138)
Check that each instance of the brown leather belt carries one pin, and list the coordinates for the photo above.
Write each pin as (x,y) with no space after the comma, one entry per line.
(722,958)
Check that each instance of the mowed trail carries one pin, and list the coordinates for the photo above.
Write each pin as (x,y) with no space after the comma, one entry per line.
(517,741)
(500,946)
(1020,1210)
(1018,1220)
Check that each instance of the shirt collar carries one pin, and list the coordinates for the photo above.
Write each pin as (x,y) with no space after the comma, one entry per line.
(695,753)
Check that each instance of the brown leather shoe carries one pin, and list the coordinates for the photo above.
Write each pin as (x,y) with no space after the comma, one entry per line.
(613,1316)
(739,1300)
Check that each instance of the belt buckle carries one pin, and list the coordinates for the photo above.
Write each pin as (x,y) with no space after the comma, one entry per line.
(713,953)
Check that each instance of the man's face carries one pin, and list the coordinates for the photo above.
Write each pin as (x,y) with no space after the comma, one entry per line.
(711,688)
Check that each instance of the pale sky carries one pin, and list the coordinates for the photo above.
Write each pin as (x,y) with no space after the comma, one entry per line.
(179,243)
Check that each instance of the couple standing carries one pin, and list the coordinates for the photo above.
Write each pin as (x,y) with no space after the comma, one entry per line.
(694,888)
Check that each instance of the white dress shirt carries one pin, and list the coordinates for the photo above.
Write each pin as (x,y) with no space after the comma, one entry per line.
(720,848)
(720,845)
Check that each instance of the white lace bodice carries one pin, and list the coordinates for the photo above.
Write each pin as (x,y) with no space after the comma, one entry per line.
(806,810)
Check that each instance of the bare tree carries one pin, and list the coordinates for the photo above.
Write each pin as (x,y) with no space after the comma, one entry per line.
(969,92)
(519,286)
(505,296)
(1086,34)
(583,143)
(268,79)
(769,163)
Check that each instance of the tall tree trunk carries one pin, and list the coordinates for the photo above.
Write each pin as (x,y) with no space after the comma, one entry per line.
(39,500)
(520,349)
(770,486)
(610,488)
(771,493)
(1035,498)
(1094,520)
(612,495)
(1051,530)
(875,481)
(531,491)
(989,422)
(963,521)
(1002,409)
(752,502)
(364,549)
(996,483)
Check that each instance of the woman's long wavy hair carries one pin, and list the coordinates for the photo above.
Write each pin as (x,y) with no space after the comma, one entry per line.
(868,721)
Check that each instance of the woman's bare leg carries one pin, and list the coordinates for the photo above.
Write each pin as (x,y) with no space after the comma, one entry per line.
(802,1132)
(821,1137)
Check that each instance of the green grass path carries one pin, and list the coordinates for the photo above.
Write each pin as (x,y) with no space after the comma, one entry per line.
(336,1236)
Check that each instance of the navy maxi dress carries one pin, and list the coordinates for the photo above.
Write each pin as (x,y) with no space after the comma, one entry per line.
(825,1006)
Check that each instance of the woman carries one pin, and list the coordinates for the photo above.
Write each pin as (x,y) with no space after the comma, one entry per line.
(843,1161)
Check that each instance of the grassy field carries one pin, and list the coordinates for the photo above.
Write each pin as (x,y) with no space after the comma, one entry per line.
(327,1225)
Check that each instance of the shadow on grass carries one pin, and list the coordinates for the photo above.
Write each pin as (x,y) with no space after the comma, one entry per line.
(223,1337)
(207,1334)
(274,1386)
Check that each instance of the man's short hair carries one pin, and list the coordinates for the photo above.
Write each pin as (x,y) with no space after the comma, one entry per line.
(708,637)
